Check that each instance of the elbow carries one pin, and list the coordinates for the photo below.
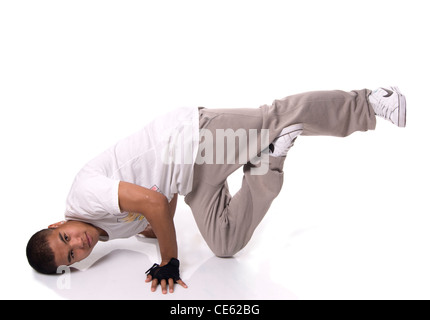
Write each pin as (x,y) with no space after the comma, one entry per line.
(159,203)
(157,211)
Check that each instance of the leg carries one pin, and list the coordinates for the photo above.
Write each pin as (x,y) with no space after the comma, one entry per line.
(330,113)
(227,223)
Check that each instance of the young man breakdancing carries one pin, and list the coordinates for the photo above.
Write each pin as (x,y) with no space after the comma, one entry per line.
(133,186)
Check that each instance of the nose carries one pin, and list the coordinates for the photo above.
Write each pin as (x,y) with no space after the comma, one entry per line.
(77,243)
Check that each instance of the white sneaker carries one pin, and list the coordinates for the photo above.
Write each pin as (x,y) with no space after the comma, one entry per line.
(389,104)
(280,146)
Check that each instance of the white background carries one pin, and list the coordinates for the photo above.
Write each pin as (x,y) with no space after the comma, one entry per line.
(352,221)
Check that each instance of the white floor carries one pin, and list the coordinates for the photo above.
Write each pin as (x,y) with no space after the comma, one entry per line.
(353,218)
(343,228)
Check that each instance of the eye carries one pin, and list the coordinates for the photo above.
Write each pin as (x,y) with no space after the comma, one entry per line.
(72,254)
(66,237)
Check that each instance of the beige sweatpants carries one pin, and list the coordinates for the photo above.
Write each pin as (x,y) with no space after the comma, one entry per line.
(227,223)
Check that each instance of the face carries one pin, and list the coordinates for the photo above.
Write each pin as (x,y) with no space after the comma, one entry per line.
(72,241)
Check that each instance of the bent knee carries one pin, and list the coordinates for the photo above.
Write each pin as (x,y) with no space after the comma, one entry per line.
(225,253)
(224,256)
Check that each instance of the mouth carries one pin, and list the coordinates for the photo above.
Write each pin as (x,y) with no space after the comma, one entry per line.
(89,240)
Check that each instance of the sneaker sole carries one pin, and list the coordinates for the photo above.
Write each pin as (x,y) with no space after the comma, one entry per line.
(292,128)
(402,108)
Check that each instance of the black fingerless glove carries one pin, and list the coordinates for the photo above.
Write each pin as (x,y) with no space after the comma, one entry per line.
(169,271)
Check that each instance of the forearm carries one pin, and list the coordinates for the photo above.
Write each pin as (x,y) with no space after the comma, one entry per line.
(164,228)
(172,205)
(157,210)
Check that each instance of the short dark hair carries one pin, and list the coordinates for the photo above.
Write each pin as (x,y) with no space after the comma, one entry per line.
(39,253)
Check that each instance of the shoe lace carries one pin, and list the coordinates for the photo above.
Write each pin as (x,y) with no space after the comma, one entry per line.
(382,109)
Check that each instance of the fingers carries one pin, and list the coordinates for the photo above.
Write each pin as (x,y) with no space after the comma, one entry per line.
(154,285)
(170,285)
(164,284)
(182,283)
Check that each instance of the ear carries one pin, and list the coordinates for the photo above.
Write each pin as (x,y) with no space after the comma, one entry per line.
(56,225)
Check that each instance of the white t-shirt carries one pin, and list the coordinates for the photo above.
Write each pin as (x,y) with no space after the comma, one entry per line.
(160,157)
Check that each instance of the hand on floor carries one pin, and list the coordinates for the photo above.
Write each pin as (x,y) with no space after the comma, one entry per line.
(165,275)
